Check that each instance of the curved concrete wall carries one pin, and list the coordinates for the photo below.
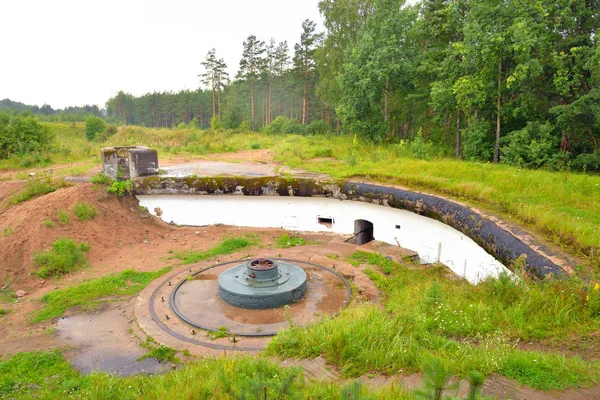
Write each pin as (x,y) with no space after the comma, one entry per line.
(501,243)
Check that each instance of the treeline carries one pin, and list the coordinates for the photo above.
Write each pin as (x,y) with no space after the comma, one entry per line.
(486,80)
(49,114)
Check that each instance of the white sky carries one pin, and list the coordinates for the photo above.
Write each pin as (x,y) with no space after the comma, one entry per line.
(76,52)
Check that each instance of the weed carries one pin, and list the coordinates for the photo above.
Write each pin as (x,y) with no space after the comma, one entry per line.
(120,188)
(227,246)
(2,312)
(49,223)
(85,294)
(63,216)
(65,256)
(143,209)
(84,211)
(285,241)
(255,146)
(7,231)
(222,332)
(162,354)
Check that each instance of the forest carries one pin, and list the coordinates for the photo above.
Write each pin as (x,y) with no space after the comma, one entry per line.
(490,81)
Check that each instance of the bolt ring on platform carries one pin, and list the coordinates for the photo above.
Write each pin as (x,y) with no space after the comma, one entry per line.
(176,310)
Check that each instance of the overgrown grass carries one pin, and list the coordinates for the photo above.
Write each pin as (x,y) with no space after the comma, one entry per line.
(285,241)
(48,375)
(564,206)
(87,293)
(469,328)
(65,256)
(84,211)
(227,246)
(37,185)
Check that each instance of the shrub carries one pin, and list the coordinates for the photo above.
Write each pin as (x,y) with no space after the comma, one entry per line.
(587,162)
(84,211)
(94,126)
(318,127)
(530,147)
(215,124)
(22,134)
(65,256)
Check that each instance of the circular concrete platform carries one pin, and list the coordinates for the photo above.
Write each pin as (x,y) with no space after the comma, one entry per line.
(186,307)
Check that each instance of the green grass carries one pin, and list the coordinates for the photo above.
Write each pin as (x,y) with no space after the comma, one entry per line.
(227,246)
(84,211)
(63,216)
(65,256)
(87,293)
(162,354)
(7,231)
(3,312)
(101,179)
(469,328)
(36,186)
(562,205)
(285,241)
(48,223)
(48,375)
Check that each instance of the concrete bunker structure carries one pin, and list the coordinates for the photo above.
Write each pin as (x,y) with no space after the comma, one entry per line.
(125,162)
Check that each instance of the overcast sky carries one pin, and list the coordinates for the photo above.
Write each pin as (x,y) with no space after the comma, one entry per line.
(75,52)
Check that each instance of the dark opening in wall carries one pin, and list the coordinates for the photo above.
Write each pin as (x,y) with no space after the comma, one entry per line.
(327,221)
(363,231)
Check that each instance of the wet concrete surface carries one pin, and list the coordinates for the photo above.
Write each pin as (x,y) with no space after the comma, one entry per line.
(102,341)
(199,302)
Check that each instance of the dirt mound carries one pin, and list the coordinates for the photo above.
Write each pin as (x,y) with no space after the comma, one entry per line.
(26,227)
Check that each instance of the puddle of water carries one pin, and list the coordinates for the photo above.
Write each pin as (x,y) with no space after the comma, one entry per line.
(431,239)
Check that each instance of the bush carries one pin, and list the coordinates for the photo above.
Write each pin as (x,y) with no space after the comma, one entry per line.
(587,162)
(94,126)
(65,256)
(215,124)
(84,211)
(530,147)
(22,134)
(101,179)
(318,127)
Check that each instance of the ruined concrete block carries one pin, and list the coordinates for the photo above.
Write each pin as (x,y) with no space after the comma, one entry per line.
(124,162)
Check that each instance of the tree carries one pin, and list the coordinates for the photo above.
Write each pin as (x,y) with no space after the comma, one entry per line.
(22,134)
(251,65)
(215,77)
(93,126)
(304,58)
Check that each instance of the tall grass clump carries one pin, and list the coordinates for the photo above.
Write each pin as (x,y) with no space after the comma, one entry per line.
(37,185)
(65,256)
(427,317)
(84,211)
